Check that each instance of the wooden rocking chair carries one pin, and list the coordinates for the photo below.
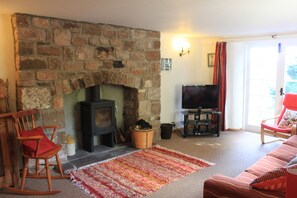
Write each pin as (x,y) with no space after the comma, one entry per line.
(36,145)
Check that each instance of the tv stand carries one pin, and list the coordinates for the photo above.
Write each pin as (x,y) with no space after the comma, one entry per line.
(201,122)
(194,111)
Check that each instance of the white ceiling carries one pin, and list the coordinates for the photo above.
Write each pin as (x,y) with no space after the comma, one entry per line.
(202,18)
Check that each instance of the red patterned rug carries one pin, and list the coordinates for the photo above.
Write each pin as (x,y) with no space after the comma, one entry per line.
(136,174)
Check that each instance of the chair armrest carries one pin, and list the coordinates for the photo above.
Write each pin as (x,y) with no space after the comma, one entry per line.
(54,128)
(37,138)
(272,118)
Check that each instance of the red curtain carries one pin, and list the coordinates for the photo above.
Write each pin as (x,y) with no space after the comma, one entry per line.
(219,78)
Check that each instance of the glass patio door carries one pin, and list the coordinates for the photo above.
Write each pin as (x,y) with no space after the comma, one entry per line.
(261,85)
(271,67)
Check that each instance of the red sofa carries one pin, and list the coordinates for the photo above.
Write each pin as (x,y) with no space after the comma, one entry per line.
(223,186)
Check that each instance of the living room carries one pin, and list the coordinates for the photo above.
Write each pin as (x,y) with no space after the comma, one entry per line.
(164,87)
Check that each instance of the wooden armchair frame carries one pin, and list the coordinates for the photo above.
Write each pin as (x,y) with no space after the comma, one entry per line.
(275,133)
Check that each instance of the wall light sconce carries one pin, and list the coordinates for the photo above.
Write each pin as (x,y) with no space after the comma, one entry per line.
(182,52)
(182,46)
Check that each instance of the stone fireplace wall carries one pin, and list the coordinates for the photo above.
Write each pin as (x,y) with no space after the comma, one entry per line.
(55,57)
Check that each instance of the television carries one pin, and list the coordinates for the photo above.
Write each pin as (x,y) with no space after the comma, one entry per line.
(200,96)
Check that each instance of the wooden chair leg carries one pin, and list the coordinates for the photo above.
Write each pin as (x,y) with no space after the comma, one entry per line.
(59,164)
(23,191)
(48,174)
(262,137)
(24,174)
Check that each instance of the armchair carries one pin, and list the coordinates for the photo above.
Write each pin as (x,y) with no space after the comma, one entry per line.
(285,125)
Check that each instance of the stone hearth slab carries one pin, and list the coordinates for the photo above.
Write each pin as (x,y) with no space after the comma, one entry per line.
(101,153)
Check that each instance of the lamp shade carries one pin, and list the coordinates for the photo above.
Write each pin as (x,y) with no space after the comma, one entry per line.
(291,190)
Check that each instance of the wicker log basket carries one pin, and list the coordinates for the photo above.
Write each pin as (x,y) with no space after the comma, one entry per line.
(142,138)
(142,135)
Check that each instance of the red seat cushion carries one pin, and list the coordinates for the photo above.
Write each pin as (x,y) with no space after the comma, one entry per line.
(29,147)
(276,128)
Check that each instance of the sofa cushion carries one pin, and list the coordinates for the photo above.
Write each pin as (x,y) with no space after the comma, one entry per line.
(292,162)
(284,152)
(265,164)
(274,180)
(292,141)
(246,177)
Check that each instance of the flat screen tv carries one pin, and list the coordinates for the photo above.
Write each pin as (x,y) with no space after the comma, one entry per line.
(200,96)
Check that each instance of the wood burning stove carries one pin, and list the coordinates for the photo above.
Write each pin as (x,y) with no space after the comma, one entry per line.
(97,118)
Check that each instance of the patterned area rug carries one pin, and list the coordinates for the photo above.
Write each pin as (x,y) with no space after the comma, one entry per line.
(136,174)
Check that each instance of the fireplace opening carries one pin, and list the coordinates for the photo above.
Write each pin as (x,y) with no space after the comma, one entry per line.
(97,118)
(125,99)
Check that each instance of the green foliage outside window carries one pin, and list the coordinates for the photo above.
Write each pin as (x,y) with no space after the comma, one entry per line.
(272,91)
(291,86)
(292,72)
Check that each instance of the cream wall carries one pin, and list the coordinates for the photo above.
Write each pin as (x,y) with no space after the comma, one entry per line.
(7,66)
(235,85)
(189,69)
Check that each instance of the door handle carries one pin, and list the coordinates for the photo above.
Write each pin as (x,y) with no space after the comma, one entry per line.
(281,91)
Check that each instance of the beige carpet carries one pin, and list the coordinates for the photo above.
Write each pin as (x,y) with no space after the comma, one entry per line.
(232,152)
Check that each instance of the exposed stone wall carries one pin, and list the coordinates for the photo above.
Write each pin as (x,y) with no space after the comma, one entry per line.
(55,57)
